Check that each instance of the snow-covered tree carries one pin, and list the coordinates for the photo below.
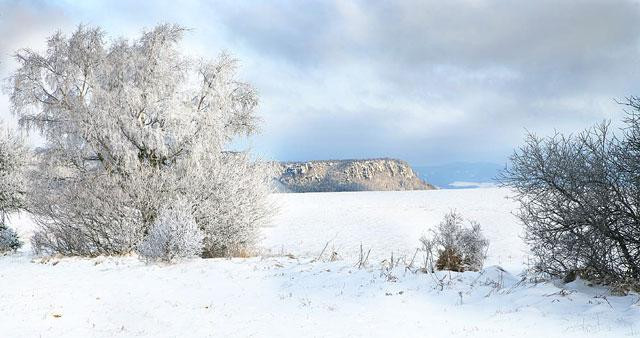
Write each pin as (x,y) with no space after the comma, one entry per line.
(131,125)
(173,235)
(14,157)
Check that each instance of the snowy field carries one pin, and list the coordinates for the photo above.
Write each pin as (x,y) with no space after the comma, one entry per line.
(390,222)
(286,292)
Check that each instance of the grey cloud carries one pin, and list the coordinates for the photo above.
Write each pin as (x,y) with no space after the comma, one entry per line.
(535,33)
(544,34)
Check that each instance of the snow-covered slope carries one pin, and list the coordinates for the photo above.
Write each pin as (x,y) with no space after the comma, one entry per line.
(387,222)
(273,296)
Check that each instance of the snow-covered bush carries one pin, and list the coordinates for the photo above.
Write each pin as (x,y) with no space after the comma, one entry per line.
(8,239)
(580,200)
(173,235)
(131,126)
(457,248)
(229,215)
(14,157)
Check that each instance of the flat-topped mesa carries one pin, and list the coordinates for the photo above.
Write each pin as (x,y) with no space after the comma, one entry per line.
(348,175)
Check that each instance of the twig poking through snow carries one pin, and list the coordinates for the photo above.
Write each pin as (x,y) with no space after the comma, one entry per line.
(362,261)
(321,252)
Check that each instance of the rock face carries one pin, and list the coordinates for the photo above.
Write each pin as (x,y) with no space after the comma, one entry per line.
(348,175)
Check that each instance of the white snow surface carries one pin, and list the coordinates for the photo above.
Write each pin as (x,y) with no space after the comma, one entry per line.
(286,292)
(387,222)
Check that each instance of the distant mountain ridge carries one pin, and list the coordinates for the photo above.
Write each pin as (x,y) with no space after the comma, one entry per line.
(348,175)
(459,175)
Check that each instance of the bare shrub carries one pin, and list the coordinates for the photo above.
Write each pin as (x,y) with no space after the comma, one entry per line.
(580,200)
(458,248)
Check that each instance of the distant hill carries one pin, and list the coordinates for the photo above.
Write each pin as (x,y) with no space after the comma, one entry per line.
(348,175)
(460,174)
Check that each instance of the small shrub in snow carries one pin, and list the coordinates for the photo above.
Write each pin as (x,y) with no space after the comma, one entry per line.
(457,248)
(8,239)
(174,235)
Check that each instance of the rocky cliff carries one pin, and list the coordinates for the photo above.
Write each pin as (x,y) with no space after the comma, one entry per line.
(348,175)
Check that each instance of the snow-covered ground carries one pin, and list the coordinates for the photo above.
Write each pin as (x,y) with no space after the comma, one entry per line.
(287,293)
(387,222)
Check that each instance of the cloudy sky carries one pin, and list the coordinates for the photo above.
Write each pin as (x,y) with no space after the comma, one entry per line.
(430,82)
